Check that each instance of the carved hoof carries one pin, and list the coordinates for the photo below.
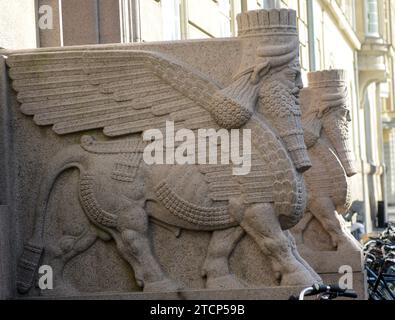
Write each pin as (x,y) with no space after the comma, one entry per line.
(165,285)
(309,269)
(229,281)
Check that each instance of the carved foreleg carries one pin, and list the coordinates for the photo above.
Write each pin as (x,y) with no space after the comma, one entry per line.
(300,227)
(325,212)
(298,257)
(351,239)
(216,265)
(134,245)
(261,223)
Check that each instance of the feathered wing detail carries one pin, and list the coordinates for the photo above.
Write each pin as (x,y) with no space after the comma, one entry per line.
(254,187)
(120,91)
(272,177)
(328,177)
(126,92)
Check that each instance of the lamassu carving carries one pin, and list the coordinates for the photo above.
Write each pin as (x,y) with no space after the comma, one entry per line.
(325,118)
(125,92)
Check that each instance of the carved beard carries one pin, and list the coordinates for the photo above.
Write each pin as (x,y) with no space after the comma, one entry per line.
(280,107)
(337,131)
(277,102)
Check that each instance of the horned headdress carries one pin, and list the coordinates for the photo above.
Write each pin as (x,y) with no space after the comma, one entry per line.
(269,39)
(327,91)
(336,90)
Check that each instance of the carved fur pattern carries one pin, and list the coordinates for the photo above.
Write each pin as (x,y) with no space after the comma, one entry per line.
(227,113)
(126,166)
(91,206)
(204,216)
(288,188)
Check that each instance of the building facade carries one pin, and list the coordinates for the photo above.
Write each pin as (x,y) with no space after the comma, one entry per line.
(355,35)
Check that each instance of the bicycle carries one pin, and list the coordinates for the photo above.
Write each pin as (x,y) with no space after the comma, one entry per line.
(380,269)
(379,255)
(325,292)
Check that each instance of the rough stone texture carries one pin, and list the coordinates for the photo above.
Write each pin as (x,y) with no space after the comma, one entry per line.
(91,224)
(7,219)
(6,269)
(264,293)
(321,236)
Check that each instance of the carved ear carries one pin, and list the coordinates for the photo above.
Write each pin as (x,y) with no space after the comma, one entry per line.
(260,71)
(332,100)
(327,105)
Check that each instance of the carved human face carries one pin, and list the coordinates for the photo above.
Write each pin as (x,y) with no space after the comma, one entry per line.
(279,104)
(336,126)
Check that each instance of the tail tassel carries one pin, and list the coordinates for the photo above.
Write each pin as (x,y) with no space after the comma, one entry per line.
(27,266)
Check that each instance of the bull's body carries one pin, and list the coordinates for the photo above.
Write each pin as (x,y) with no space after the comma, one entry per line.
(119,192)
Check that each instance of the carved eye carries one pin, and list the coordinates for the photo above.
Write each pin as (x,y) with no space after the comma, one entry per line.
(291,75)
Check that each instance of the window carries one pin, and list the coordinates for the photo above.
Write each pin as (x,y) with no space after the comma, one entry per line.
(372,19)
(268,4)
(347,7)
(171,19)
(224,23)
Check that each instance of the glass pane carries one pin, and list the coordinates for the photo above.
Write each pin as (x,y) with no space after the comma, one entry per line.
(372,17)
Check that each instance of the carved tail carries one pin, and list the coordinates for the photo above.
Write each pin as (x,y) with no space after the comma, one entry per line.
(28,263)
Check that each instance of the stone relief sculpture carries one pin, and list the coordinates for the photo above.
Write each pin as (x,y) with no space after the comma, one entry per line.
(124,92)
(325,118)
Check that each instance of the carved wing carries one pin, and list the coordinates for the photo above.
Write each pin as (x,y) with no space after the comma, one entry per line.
(125,92)
(327,172)
(120,91)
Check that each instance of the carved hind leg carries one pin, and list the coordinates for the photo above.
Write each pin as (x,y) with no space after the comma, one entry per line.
(134,245)
(325,212)
(68,247)
(298,230)
(261,223)
(216,265)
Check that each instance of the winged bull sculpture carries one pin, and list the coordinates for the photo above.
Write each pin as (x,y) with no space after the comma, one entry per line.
(326,116)
(125,92)
(325,120)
